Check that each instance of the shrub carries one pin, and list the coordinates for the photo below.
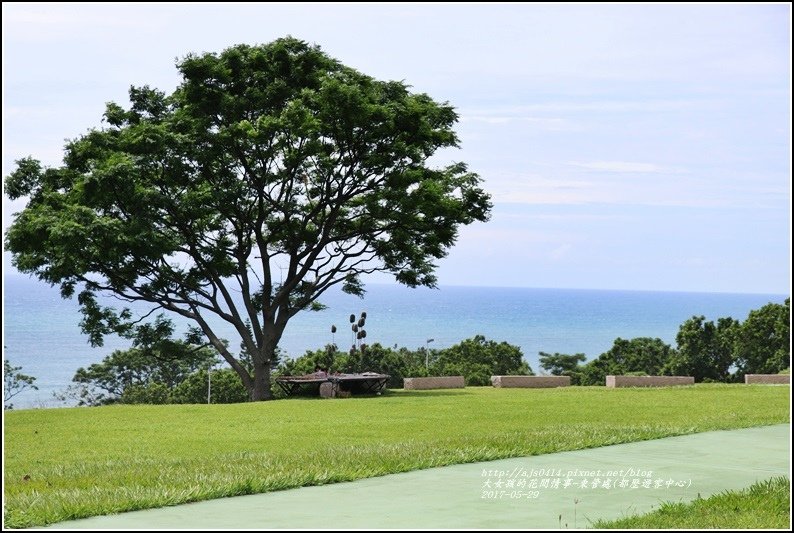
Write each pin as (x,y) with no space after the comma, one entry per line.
(477,359)
(151,393)
(226,388)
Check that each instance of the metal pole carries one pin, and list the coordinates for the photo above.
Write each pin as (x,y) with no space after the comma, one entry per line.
(427,352)
(209,383)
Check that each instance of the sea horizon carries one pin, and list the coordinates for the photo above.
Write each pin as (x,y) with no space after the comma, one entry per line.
(20,275)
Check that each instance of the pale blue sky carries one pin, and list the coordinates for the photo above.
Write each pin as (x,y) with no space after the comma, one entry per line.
(626,147)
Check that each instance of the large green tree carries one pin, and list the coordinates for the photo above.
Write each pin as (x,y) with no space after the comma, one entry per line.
(704,349)
(763,342)
(271,174)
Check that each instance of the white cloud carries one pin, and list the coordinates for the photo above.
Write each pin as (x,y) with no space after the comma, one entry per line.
(535,189)
(524,218)
(560,252)
(549,124)
(44,23)
(622,166)
(23,112)
(659,105)
(654,88)
(619,188)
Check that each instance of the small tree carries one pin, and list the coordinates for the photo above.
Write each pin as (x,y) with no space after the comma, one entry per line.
(477,359)
(560,364)
(641,355)
(14,382)
(263,156)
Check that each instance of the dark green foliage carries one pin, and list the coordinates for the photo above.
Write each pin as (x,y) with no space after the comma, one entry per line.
(306,364)
(151,393)
(14,382)
(709,352)
(124,368)
(166,362)
(372,358)
(376,358)
(226,388)
(477,359)
(704,350)
(763,342)
(264,155)
(134,377)
(560,364)
(642,355)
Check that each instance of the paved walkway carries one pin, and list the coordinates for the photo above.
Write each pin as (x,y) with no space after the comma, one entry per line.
(499,494)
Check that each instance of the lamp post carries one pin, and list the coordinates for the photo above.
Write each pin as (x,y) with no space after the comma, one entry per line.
(427,352)
(209,383)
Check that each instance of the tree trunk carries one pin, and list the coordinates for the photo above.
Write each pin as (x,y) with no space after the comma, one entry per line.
(261,389)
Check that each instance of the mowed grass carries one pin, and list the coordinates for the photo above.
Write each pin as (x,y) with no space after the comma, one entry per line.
(63,464)
(764,505)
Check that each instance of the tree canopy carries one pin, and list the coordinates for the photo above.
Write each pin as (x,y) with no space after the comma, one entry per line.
(271,174)
(641,355)
(112,378)
(763,342)
(477,359)
(705,350)
(560,364)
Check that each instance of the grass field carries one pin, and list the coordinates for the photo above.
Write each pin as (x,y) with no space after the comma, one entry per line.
(764,505)
(63,464)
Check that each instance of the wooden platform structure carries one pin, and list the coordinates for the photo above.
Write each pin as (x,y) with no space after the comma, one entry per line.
(366,383)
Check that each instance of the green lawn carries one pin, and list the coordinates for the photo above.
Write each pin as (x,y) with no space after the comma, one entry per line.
(764,505)
(62,464)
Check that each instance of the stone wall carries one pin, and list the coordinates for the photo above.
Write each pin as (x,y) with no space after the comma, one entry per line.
(769,379)
(530,382)
(439,382)
(649,381)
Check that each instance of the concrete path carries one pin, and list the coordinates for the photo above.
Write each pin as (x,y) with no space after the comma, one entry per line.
(565,489)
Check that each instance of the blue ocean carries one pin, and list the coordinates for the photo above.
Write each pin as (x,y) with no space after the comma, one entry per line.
(41,332)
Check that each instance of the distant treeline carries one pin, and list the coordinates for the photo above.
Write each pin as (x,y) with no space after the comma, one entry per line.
(710,352)
(177,371)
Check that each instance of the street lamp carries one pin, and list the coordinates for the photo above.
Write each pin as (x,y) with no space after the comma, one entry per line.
(209,380)
(427,352)
(209,383)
